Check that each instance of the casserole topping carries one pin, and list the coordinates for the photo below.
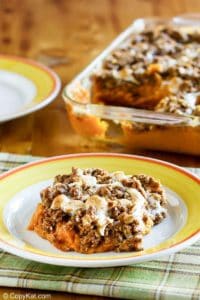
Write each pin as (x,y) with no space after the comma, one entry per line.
(102,208)
(171,53)
(158,65)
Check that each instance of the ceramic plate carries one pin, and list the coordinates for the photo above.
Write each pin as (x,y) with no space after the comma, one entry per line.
(19,195)
(25,86)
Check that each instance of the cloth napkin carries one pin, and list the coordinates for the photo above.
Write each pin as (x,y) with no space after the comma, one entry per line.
(171,277)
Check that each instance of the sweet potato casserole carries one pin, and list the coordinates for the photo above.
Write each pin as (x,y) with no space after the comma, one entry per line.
(156,65)
(92,210)
(158,69)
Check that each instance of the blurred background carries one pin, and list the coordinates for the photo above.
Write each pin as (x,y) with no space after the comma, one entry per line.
(66,35)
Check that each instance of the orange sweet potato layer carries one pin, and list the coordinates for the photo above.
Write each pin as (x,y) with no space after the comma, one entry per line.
(65,238)
(181,139)
(143,96)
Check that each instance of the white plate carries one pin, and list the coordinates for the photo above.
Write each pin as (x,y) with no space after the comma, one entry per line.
(17,215)
(19,201)
(25,86)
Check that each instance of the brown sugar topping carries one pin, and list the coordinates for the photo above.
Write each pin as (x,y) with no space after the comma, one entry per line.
(100,206)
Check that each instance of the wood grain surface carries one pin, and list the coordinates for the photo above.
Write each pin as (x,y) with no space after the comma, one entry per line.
(70,33)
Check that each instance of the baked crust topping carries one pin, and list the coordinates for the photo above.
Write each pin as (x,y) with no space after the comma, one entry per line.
(152,66)
(92,210)
(171,53)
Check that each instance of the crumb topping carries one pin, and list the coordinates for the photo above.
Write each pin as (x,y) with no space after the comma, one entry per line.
(166,58)
(169,52)
(174,104)
(95,198)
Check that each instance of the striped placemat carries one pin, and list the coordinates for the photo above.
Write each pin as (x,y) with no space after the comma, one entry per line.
(172,277)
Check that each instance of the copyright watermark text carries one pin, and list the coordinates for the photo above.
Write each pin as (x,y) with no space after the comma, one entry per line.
(25,296)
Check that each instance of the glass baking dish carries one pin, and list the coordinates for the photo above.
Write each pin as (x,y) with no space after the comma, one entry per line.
(181,138)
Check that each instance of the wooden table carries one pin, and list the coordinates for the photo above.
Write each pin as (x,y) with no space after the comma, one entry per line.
(74,32)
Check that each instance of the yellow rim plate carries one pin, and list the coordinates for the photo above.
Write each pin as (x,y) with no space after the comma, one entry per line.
(45,81)
(182,182)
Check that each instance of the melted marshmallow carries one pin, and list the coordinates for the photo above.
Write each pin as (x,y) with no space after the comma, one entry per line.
(101,207)
(100,204)
(66,204)
(139,207)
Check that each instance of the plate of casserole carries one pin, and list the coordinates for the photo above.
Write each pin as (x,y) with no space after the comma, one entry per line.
(98,210)
(25,86)
(154,66)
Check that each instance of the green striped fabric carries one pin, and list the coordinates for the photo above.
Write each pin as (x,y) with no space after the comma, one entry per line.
(172,277)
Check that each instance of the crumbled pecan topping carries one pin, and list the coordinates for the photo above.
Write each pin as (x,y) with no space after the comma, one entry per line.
(174,104)
(167,51)
(98,204)
(164,54)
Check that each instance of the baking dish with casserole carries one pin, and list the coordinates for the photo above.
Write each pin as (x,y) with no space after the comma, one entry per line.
(153,65)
